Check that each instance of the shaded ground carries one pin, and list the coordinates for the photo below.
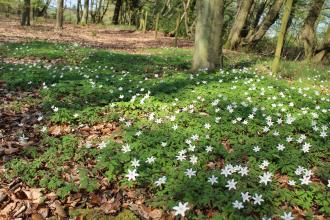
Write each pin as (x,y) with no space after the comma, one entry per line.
(91,35)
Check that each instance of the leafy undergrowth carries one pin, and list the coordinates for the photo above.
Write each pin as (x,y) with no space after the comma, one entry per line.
(233,144)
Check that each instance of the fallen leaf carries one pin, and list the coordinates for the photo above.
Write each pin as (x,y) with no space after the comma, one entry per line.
(37,216)
(59,209)
(34,194)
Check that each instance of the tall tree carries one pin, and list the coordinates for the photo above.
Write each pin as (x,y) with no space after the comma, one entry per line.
(85,12)
(281,35)
(115,18)
(78,11)
(239,22)
(307,34)
(25,20)
(270,18)
(208,48)
(59,14)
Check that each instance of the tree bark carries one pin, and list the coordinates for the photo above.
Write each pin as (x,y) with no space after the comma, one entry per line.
(307,33)
(85,12)
(59,14)
(208,48)
(25,20)
(239,22)
(323,52)
(115,18)
(268,21)
(281,35)
(78,11)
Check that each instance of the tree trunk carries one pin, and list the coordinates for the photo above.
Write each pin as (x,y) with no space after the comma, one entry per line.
(78,11)
(323,53)
(268,21)
(85,12)
(208,48)
(281,35)
(115,18)
(239,22)
(25,21)
(307,33)
(59,14)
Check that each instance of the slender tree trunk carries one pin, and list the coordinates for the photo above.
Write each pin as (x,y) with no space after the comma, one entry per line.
(25,21)
(239,22)
(208,48)
(307,33)
(268,21)
(59,14)
(85,12)
(281,35)
(115,18)
(156,25)
(78,11)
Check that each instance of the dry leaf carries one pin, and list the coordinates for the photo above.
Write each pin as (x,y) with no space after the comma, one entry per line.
(34,194)
(59,209)
(37,216)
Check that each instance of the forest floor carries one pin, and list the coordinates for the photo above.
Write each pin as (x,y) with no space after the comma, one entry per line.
(120,129)
(105,37)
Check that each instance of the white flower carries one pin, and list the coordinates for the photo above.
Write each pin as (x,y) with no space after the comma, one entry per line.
(151,160)
(280,147)
(207,126)
(231,184)
(132,175)
(193,159)
(238,205)
(243,171)
(265,178)
(209,149)
(257,199)
(181,157)
(305,180)
(264,164)
(181,209)
(126,148)
(256,148)
(190,172)
(213,180)
(163,144)
(292,182)
(161,181)
(245,196)
(306,147)
(287,216)
(328,183)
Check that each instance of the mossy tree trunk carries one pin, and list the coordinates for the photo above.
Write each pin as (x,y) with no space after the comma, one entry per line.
(307,34)
(208,35)
(25,20)
(281,35)
(85,12)
(239,22)
(59,14)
